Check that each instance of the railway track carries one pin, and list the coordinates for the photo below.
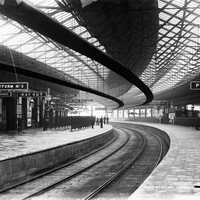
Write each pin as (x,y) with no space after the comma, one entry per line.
(138,169)
(122,169)
(135,142)
(48,171)
(102,176)
(56,177)
(133,177)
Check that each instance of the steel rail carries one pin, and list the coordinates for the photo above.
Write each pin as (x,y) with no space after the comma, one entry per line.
(46,189)
(33,178)
(121,171)
(39,22)
(125,167)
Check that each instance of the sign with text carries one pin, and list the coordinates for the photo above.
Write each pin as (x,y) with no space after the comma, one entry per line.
(195,85)
(32,94)
(14,86)
(5,94)
(23,94)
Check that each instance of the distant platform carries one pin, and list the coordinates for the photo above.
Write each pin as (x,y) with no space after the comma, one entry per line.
(177,177)
(34,140)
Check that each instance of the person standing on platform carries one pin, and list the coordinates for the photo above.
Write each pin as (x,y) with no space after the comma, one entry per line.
(101,122)
(93,122)
(97,121)
(104,120)
(197,122)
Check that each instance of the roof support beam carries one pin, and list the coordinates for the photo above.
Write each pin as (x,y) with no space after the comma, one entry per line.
(24,13)
(29,73)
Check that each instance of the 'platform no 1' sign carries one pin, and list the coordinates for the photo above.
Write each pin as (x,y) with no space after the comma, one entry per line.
(195,85)
(14,86)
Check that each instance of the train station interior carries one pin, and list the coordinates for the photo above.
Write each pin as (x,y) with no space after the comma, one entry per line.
(99,99)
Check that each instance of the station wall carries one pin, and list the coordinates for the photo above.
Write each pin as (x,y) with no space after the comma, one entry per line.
(166,113)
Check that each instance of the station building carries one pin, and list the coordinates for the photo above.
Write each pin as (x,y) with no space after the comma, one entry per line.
(150,51)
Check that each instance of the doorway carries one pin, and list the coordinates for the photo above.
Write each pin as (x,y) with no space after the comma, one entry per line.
(11,118)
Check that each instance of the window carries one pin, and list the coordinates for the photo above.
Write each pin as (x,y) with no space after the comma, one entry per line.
(115,114)
(155,113)
(142,113)
(130,113)
(125,113)
(120,113)
(148,114)
(137,111)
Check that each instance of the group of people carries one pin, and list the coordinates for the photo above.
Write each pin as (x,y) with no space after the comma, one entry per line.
(102,120)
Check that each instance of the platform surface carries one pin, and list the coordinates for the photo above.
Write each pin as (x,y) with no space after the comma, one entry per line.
(33,140)
(178,173)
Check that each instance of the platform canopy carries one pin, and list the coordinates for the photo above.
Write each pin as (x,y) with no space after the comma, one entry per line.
(172,58)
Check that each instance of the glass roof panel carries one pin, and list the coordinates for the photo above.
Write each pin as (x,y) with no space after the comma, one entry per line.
(175,61)
(178,45)
(21,39)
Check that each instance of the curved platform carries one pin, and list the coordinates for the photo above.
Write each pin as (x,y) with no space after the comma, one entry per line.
(178,174)
(34,140)
(25,156)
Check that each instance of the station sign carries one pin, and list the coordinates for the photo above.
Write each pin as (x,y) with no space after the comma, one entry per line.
(14,86)
(23,94)
(32,94)
(4,94)
(195,85)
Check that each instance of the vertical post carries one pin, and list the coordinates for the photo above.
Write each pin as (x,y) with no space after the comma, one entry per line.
(91,110)
(139,112)
(145,112)
(19,114)
(133,113)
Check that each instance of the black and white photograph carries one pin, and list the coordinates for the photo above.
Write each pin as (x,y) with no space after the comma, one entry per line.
(99,99)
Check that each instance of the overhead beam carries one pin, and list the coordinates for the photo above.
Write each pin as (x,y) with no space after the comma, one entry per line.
(25,13)
(15,69)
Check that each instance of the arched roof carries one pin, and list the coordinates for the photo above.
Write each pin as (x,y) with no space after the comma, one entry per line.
(171,61)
